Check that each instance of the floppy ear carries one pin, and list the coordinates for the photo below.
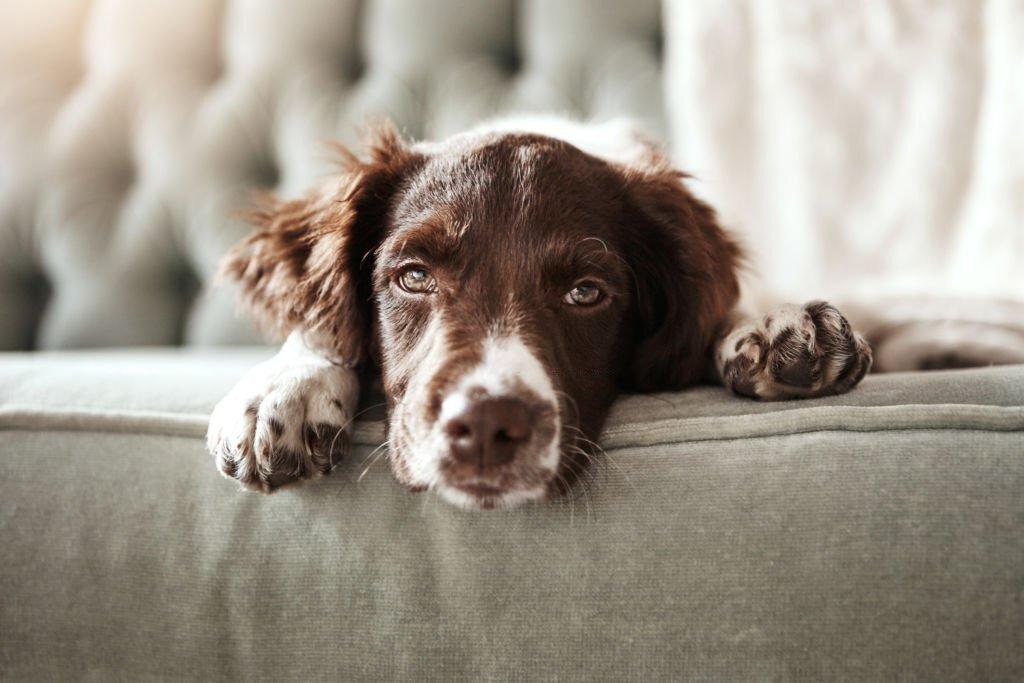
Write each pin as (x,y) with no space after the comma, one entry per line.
(686,270)
(306,266)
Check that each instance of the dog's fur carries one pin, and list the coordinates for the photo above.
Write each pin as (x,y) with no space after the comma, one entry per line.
(522,274)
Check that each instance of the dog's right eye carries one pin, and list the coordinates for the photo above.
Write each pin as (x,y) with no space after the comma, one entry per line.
(416,280)
(584,294)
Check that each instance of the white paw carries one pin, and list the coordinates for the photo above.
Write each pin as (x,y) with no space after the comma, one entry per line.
(794,352)
(285,421)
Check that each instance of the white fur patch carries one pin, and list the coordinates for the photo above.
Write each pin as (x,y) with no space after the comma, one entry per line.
(296,388)
(617,140)
(507,362)
(426,444)
(507,366)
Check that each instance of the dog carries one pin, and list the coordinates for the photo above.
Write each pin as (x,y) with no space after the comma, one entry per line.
(505,285)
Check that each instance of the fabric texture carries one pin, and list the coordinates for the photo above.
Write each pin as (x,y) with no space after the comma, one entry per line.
(872,535)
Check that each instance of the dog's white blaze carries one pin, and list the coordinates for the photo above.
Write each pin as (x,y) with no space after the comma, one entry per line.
(507,363)
(455,404)
(619,140)
(427,446)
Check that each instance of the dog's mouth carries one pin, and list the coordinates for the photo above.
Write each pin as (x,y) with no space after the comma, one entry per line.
(475,486)
(483,491)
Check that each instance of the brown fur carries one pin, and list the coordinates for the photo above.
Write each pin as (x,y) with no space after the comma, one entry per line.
(506,227)
(686,278)
(303,267)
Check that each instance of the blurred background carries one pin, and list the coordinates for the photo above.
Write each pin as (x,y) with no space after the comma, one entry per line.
(869,152)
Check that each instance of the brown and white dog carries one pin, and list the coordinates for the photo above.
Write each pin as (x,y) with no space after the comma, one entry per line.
(506,285)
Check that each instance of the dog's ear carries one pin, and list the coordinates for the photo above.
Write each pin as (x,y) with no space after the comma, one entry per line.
(686,271)
(306,265)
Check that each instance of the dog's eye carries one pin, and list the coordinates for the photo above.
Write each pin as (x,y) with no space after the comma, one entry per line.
(583,294)
(416,280)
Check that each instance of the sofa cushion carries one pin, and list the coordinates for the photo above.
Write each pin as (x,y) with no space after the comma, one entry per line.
(876,534)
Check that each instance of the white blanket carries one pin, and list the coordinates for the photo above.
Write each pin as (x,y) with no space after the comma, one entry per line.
(865,151)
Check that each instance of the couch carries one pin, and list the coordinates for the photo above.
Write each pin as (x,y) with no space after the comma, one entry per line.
(879,534)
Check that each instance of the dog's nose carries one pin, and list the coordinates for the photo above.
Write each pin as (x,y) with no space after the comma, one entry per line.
(490,431)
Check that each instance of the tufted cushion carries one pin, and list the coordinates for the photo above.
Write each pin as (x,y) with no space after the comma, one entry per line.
(131,132)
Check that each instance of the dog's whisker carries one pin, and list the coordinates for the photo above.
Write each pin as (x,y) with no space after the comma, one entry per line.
(568,491)
(348,423)
(604,456)
(376,452)
(584,478)
(571,401)
(369,464)
(343,430)
(636,280)
(375,455)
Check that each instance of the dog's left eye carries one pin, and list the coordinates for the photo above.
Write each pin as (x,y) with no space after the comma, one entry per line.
(583,294)
(416,280)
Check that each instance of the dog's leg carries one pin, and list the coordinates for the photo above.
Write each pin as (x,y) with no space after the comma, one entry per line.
(793,352)
(286,420)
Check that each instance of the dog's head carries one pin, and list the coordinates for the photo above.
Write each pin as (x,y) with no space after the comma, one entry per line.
(508,287)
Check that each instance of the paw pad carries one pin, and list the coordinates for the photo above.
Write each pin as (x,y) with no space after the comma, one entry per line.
(282,425)
(800,352)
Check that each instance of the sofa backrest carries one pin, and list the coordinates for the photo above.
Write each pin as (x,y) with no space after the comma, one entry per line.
(132,132)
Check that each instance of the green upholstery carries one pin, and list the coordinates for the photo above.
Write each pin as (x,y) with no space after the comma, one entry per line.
(875,535)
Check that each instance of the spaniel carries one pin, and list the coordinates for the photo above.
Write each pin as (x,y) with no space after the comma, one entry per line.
(505,285)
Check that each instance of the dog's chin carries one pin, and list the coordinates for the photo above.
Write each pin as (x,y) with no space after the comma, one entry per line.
(483,497)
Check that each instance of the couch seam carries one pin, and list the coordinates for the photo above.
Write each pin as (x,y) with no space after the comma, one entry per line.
(854,419)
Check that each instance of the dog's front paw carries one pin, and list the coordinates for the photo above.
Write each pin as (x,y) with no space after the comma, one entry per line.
(283,423)
(794,352)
